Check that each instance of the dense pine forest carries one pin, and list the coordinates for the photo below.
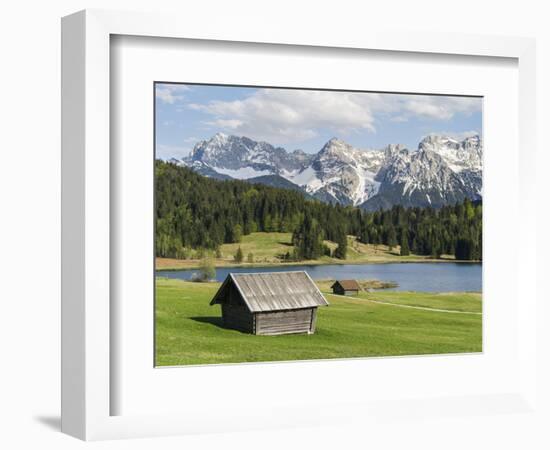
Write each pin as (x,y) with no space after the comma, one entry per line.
(195,212)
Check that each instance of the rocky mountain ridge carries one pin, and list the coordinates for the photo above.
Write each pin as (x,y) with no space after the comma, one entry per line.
(441,171)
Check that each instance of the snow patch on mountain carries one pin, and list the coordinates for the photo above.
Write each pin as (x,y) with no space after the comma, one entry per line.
(307,177)
(440,171)
(342,173)
(243,173)
(459,156)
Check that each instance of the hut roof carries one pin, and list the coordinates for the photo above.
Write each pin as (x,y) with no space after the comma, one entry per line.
(273,291)
(348,285)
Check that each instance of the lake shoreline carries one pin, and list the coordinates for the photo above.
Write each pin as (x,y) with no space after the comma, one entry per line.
(423,276)
(195,266)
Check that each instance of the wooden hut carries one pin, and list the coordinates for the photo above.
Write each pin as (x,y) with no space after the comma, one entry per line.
(345,287)
(269,303)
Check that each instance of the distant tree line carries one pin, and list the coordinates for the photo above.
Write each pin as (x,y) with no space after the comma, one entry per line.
(194,212)
(451,230)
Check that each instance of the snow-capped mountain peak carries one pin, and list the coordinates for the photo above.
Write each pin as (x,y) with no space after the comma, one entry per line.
(341,173)
(459,155)
(441,171)
(338,149)
(241,157)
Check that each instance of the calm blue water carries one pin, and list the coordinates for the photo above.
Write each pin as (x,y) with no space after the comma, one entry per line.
(427,277)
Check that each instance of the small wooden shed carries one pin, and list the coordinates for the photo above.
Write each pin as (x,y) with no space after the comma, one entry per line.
(346,287)
(269,303)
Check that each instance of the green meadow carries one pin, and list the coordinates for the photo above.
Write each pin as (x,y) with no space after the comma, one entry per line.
(269,248)
(390,323)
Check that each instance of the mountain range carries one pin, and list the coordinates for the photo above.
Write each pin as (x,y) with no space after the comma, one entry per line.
(441,171)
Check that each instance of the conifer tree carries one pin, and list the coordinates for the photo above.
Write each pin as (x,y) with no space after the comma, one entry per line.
(341,251)
(237,233)
(391,237)
(308,238)
(463,249)
(404,245)
(238,256)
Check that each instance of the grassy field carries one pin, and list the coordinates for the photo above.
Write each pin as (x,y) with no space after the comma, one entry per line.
(268,248)
(452,301)
(189,331)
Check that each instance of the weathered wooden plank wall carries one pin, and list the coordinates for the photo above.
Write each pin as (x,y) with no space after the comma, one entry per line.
(279,322)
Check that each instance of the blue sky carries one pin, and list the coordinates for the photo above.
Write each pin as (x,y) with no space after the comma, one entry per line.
(306,119)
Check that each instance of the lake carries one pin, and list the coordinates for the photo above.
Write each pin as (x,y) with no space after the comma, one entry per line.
(427,277)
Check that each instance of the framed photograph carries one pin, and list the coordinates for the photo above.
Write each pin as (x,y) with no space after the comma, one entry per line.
(389,235)
(265,214)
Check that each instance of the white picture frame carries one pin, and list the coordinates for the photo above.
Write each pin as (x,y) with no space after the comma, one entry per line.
(87,316)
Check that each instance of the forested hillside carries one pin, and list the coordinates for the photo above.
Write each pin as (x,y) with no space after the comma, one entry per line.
(194,212)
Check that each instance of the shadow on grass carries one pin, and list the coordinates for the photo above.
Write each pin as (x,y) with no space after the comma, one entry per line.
(286,244)
(212,320)
(215,321)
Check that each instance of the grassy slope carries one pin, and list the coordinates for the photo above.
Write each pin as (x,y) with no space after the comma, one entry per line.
(268,248)
(188,330)
(453,301)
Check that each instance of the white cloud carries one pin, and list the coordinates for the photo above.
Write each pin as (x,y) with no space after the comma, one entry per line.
(228,124)
(284,115)
(439,107)
(166,152)
(170,93)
